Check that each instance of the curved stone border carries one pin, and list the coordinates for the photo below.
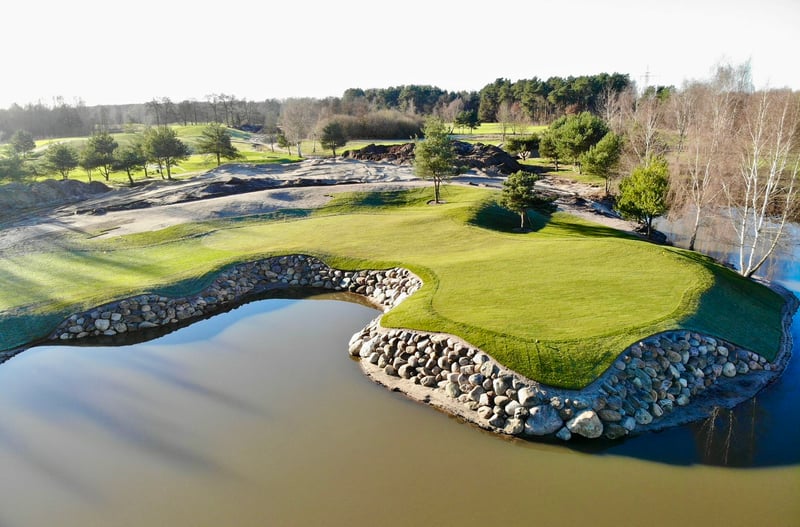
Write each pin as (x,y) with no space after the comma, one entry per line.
(384,289)
(671,378)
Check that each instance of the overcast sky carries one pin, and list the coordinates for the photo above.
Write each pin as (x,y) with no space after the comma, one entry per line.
(107,54)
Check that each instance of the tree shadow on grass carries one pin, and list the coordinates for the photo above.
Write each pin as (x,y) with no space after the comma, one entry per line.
(491,215)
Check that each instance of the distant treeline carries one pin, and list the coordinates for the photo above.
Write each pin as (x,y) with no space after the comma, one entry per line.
(534,100)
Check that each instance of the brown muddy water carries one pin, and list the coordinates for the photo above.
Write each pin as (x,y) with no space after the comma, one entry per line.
(258,417)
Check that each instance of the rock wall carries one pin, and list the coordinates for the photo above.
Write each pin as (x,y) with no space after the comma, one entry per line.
(385,289)
(671,378)
(652,381)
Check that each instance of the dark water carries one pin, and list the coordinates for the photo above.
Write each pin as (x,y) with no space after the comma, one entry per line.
(259,417)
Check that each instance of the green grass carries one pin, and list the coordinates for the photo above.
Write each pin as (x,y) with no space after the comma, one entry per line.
(195,164)
(557,304)
(497,129)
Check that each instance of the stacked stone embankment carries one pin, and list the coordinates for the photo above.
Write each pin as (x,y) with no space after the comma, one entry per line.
(648,383)
(384,288)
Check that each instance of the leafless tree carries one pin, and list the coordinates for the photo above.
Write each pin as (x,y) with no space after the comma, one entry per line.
(704,119)
(765,195)
(644,119)
(504,117)
(155,108)
(297,120)
(518,118)
(612,107)
(449,111)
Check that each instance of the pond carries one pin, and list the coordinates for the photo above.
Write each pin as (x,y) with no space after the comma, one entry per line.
(259,417)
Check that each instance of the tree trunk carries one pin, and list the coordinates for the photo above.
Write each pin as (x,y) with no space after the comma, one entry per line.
(436,189)
(130,178)
(218,161)
(299,154)
(695,228)
(522,220)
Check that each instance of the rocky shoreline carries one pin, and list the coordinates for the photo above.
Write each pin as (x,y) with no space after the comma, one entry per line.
(668,379)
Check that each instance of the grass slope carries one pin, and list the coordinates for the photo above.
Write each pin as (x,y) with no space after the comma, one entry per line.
(557,305)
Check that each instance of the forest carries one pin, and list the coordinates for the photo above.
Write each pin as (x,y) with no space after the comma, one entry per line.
(534,100)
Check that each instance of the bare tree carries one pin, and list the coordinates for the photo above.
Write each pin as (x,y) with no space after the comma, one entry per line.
(705,116)
(612,107)
(519,120)
(156,109)
(504,117)
(765,195)
(449,111)
(297,120)
(644,119)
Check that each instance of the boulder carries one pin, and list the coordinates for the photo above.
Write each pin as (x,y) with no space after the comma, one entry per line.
(586,424)
(542,420)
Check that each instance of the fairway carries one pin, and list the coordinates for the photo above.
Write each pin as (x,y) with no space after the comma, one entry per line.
(557,304)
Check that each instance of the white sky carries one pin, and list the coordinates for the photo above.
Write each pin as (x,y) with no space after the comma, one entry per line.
(107,54)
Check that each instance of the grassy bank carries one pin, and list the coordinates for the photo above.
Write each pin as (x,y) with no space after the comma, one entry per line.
(557,304)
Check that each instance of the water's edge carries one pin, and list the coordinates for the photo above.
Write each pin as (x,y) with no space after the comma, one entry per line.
(666,380)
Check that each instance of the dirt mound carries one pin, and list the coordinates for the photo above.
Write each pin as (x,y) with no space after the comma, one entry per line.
(488,158)
(20,197)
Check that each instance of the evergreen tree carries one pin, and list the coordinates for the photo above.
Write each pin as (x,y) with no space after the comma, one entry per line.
(519,194)
(643,194)
(602,158)
(62,158)
(215,139)
(162,145)
(435,156)
(333,136)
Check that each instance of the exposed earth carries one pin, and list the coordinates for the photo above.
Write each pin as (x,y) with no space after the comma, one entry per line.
(239,190)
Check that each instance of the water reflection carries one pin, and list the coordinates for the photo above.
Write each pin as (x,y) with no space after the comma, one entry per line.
(268,423)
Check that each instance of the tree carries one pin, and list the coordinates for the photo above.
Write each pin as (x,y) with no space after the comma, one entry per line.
(435,156)
(602,158)
(163,145)
(765,195)
(467,119)
(577,134)
(88,162)
(643,124)
(643,194)
(283,142)
(504,118)
(297,119)
(12,167)
(61,158)
(99,152)
(522,146)
(333,136)
(705,116)
(519,194)
(215,139)
(548,147)
(22,143)
(129,158)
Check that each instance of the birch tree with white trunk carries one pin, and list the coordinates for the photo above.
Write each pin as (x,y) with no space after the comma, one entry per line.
(765,194)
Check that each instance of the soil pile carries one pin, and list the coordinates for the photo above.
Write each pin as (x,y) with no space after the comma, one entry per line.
(20,197)
(488,158)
